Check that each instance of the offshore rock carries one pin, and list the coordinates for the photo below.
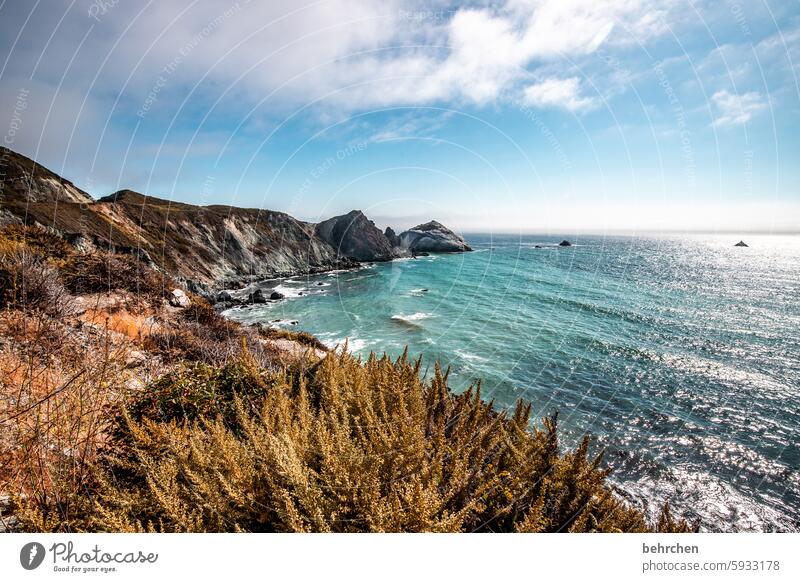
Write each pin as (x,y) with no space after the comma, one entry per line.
(433,237)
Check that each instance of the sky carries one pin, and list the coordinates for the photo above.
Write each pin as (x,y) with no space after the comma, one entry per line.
(501,116)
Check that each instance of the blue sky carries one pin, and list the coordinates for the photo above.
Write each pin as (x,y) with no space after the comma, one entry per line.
(515,115)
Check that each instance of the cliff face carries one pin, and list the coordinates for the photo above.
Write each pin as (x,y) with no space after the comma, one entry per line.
(433,237)
(209,245)
(356,237)
(218,243)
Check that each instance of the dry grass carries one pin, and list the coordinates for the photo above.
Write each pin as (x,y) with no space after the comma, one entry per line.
(27,281)
(56,391)
(202,335)
(58,382)
(38,240)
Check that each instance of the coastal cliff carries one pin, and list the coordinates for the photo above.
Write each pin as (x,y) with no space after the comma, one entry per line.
(206,246)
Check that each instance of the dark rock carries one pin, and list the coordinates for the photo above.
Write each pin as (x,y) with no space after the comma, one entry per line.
(195,287)
(537,246)
(257,296)
(356,237)
(421,254)
(276,295)
(741,243)
(320,284)
(565,243)
(432,237)
(225,297)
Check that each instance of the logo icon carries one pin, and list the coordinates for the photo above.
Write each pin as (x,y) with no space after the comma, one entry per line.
(31,555)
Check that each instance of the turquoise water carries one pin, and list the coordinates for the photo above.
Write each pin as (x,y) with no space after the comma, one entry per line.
(679,355)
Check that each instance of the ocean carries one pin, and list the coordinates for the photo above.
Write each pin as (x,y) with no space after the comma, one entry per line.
(678,355)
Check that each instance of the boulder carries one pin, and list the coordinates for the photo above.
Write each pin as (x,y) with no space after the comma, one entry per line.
(225,297)
(276,296)
(432,237)
(179,299)
(257,296)
(565,243)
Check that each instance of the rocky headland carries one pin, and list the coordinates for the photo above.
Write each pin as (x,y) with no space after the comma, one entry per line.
(208,248)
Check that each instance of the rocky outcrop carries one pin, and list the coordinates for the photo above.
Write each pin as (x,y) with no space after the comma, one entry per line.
(433,237)
(354,236)
(565,243)
(741,243)
(392,237)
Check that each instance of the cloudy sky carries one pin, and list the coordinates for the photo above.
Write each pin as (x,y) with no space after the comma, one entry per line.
(521,115)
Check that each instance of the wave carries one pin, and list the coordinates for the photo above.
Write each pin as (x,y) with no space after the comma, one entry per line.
(413,320)
(278,323)
(354,344)
(468,356)
(289,292)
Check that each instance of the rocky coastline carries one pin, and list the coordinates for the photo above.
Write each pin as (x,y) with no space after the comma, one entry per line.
(218,252)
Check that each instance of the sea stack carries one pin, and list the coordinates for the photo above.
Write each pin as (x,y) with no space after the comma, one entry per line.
(565,243)
(433,237)
(741,243)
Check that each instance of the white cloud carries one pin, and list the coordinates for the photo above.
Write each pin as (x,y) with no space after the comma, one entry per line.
(563,93)
(350,54)
(736,109)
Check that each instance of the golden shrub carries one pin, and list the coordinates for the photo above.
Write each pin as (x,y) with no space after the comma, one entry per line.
(349,447)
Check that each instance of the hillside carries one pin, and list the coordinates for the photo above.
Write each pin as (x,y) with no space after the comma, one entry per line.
(205,246)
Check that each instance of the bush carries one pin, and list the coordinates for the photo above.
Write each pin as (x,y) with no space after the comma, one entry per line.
(199,391)
(348,447)
(104,272)
(301,337)
(38,240)
(28,282)
(202,312)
